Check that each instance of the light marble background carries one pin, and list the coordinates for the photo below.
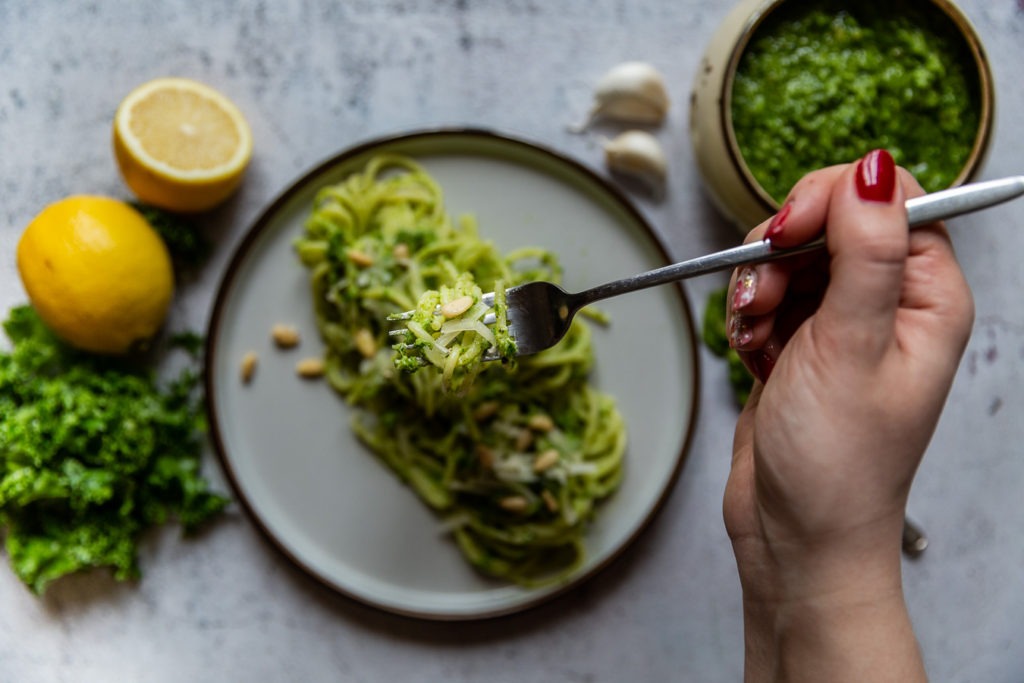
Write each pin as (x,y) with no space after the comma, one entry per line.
(314,77)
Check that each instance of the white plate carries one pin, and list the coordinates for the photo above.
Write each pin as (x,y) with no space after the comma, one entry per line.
(286,446)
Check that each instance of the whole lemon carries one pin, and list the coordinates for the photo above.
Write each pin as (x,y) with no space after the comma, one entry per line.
(97,273)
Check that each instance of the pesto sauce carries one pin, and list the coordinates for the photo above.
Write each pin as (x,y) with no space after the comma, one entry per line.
(824,83)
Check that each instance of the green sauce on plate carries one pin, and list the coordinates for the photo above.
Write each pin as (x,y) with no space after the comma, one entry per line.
(823,83)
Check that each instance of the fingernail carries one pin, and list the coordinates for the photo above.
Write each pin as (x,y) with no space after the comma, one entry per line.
(739,333)
(746,288)
(779,221)
(762,364)
(876,176)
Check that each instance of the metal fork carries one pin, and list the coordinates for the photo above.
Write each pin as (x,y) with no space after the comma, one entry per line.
(539,313)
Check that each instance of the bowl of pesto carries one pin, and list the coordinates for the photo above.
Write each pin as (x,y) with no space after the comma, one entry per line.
(785,87)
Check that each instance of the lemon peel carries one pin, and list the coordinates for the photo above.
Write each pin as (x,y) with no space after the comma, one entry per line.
(97,273)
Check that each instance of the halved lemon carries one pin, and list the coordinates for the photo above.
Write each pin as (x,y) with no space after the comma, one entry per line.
(180,144)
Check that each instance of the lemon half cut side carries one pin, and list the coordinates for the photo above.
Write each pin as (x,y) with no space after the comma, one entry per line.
(180,144)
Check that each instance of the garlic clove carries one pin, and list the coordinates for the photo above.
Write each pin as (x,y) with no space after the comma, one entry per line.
(637,154)
(632,92)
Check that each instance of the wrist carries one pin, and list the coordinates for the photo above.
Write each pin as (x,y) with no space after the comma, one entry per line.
(831,639)
(826,611)
(782,562)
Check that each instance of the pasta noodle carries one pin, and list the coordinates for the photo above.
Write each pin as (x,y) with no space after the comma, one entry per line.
(517,460)
(447,330)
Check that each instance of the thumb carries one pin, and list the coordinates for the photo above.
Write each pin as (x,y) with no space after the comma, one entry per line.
(868,239)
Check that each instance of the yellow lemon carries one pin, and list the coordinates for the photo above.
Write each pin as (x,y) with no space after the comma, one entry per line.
(181,145)
(96,273)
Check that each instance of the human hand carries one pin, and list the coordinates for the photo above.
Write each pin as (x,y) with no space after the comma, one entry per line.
(855,352)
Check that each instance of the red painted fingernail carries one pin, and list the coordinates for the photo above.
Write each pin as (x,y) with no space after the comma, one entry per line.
(876,176)
(746,288)
(739,333)
(779,221)
(762,365)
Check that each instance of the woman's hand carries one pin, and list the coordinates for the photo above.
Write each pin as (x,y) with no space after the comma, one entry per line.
(855,352)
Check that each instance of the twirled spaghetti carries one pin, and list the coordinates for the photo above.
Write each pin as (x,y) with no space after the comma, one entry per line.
(517,462)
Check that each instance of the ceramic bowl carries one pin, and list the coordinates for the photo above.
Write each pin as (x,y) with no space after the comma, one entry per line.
(729,182)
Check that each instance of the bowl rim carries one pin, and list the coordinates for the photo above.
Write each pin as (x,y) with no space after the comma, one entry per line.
(967,31)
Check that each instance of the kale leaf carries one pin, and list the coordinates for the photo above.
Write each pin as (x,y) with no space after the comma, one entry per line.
(93,452)
(183,237)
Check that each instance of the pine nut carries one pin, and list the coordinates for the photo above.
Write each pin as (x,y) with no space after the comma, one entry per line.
(541,423)
(285,336)
(457,307)
(360,258)
(248,366)
(486,456)
(514,503)
(485,410)
(365,343)
(524,440)
(546,460)
(310,368)
(549,500)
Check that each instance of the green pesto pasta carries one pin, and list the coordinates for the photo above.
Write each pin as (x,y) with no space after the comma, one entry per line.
(447,330)
(518,459)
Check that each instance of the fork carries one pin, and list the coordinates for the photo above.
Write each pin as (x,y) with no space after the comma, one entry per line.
(539,313)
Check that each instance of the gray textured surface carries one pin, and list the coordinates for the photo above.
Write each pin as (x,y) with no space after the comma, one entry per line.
(316,76)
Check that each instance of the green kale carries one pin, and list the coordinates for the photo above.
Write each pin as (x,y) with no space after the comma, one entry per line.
(183,238)
(93,452)
(716,338)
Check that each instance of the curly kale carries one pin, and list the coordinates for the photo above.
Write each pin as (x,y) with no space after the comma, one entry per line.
(184,239)
(93,452)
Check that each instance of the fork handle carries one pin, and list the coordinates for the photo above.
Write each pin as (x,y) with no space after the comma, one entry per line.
(920,211)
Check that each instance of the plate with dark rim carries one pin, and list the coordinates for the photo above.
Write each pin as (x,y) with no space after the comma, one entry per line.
(285,444)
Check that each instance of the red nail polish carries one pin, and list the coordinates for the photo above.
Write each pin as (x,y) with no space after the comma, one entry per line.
(762,365)
(779,221)
(746,288)
(739,334)
(876,177)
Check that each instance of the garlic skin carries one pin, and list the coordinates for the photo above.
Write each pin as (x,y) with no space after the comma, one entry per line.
(632,92)
(637,154)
